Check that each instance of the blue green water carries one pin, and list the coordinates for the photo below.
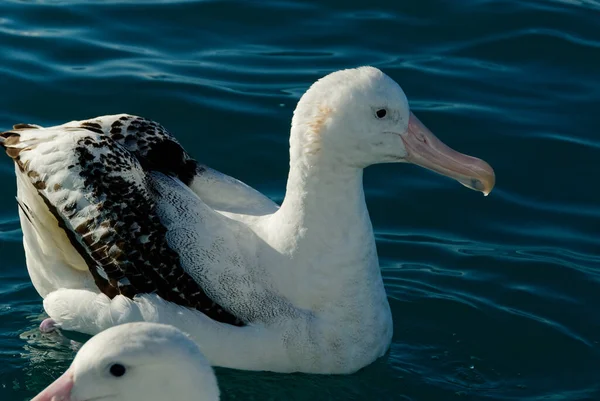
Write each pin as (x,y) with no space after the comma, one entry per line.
(493,298)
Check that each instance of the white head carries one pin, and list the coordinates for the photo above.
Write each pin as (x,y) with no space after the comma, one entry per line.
(136,362)
(359,117)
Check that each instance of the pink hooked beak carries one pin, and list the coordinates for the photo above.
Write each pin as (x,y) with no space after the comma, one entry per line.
(426,150)
(60,390)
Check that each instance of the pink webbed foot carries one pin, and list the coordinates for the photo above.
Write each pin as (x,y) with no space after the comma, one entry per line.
(48,325)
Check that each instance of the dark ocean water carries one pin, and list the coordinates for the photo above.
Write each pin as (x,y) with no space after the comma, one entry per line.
(493,298)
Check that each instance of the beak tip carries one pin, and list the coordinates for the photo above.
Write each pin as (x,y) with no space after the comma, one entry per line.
(486,178)
(491,182)
(489,189)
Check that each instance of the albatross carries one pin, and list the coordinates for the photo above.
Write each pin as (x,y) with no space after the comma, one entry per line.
(121,224)
(116,365)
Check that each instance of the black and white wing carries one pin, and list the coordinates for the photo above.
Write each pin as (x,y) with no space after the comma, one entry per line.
(94,178)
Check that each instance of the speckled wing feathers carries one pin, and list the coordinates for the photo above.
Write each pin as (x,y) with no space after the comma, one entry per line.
(92,175)
(149,142)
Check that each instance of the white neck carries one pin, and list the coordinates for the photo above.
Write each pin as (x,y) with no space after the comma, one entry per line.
(323,228)
(324,195)
(322,198)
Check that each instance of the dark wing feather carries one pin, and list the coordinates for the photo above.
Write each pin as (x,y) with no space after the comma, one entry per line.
(154,147)
(104,203)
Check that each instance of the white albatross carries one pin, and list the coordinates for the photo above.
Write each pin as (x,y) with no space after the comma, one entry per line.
(121,224)
(136,362)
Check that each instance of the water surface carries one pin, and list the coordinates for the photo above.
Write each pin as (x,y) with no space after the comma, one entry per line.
(493,298)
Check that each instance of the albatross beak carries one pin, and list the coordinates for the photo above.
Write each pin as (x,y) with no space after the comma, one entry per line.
(60,390)
(426,150)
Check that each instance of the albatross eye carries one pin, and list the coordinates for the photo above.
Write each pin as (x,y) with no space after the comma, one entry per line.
(117,370)
(381,113)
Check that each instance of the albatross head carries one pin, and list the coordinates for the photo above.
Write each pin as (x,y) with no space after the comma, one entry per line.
(136,362)
(361,117)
